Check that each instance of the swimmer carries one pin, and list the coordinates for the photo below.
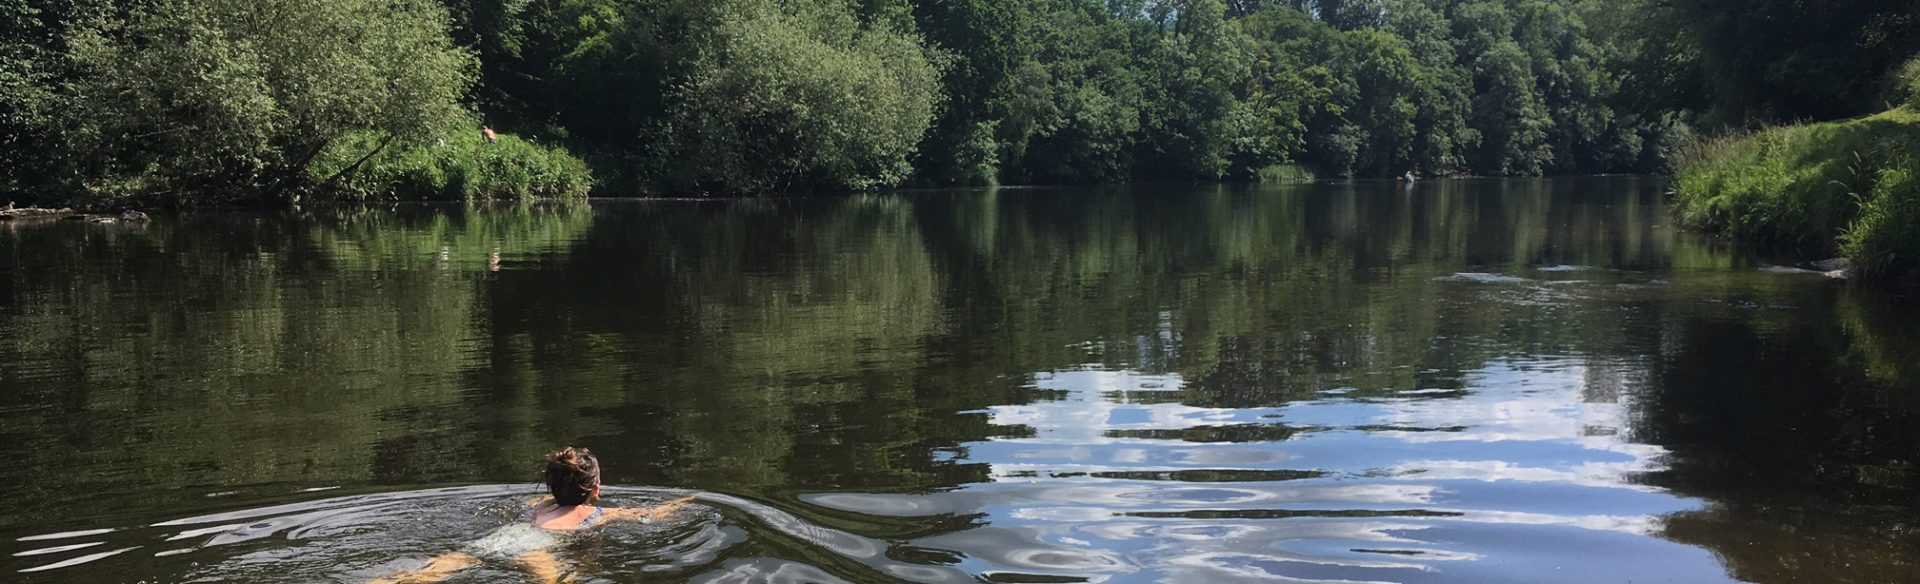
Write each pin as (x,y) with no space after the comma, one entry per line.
(573,481)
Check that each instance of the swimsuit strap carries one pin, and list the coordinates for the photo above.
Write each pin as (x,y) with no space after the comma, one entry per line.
(589,521)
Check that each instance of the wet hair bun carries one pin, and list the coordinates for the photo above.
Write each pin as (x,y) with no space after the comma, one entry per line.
(572,475)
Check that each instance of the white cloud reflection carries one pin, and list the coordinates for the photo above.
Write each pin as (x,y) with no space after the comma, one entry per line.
(1355,486)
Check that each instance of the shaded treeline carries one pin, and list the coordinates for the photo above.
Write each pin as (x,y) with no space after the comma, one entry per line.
(282,99)
(1746,62)
(1071,91)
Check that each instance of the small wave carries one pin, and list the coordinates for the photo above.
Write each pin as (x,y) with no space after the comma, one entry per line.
(1482,278)
(79,560)
(1291,513)
(1771,269)
(58,549)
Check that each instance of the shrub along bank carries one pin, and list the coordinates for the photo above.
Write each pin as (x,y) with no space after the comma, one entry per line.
(1850,187)
(368,166)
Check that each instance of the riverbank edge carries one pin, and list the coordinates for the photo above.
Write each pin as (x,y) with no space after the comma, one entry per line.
(11,214)
(1847,188)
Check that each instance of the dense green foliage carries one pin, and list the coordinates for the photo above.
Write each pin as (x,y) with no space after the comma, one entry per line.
(1085,91)
(32,48)
(1841,186)
(731,96)
(800,92)
(232,98)
(226,99)
(365,166)
(1846,187)
(1737,62)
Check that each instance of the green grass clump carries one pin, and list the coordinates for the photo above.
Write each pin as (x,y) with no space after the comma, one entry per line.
(1841,187)
(1286,173)
(1885,238)
(463,167)
(1907,84)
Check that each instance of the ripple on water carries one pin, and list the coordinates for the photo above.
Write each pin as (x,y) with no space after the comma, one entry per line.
(1482,278)
(359,537)
(1518,461)
(1372,486)
(768,571)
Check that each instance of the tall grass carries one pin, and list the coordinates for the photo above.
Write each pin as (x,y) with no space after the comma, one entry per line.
(1841,187)
(462,167)
(1885,239)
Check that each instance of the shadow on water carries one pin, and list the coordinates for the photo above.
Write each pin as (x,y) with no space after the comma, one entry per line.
(1466,381)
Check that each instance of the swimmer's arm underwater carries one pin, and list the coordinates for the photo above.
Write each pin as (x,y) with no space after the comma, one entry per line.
(645,514)
(437,569)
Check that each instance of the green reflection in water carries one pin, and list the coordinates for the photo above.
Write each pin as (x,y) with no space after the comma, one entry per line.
(777,347)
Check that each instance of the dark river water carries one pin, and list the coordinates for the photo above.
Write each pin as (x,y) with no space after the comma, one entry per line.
(1462,382)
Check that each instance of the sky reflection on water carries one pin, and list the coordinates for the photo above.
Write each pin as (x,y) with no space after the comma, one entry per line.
(1112,478)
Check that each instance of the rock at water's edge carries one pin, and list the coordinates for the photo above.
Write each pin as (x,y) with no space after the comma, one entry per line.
(1832,265)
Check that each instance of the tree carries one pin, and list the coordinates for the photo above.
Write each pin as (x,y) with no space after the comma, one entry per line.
(34,64)
(230,99)
(1750,61)
(801,95)
(1079,116)
(985,40)
(1441,89)
(24,92)
(1191,72)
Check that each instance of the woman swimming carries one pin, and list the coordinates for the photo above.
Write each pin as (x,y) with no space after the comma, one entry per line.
(573,481)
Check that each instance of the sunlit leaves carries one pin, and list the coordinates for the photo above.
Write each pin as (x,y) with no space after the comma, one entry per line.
(235,97)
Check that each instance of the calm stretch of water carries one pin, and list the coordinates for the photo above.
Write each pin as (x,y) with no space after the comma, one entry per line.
(1468,381)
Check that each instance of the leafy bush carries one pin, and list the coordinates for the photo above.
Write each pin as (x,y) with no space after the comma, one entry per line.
(1885,240)
(462,167)
(801,94)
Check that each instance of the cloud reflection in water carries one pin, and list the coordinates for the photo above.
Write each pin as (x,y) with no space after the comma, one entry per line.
(1528,469)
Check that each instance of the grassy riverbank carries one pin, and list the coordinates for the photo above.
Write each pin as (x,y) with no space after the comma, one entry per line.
(1850,188)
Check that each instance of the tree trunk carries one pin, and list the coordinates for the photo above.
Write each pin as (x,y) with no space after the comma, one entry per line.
(356,164)
(287,180)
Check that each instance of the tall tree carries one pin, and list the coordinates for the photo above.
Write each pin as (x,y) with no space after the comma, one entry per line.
(985,41)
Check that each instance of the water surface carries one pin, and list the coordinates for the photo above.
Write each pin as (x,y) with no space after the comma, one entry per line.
(1466,381)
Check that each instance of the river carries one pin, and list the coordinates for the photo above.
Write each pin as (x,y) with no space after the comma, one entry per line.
(1470,381)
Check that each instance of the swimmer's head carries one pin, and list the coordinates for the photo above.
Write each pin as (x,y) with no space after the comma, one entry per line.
(573,476)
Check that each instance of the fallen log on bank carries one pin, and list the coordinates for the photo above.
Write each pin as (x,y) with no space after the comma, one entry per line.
(10,213)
